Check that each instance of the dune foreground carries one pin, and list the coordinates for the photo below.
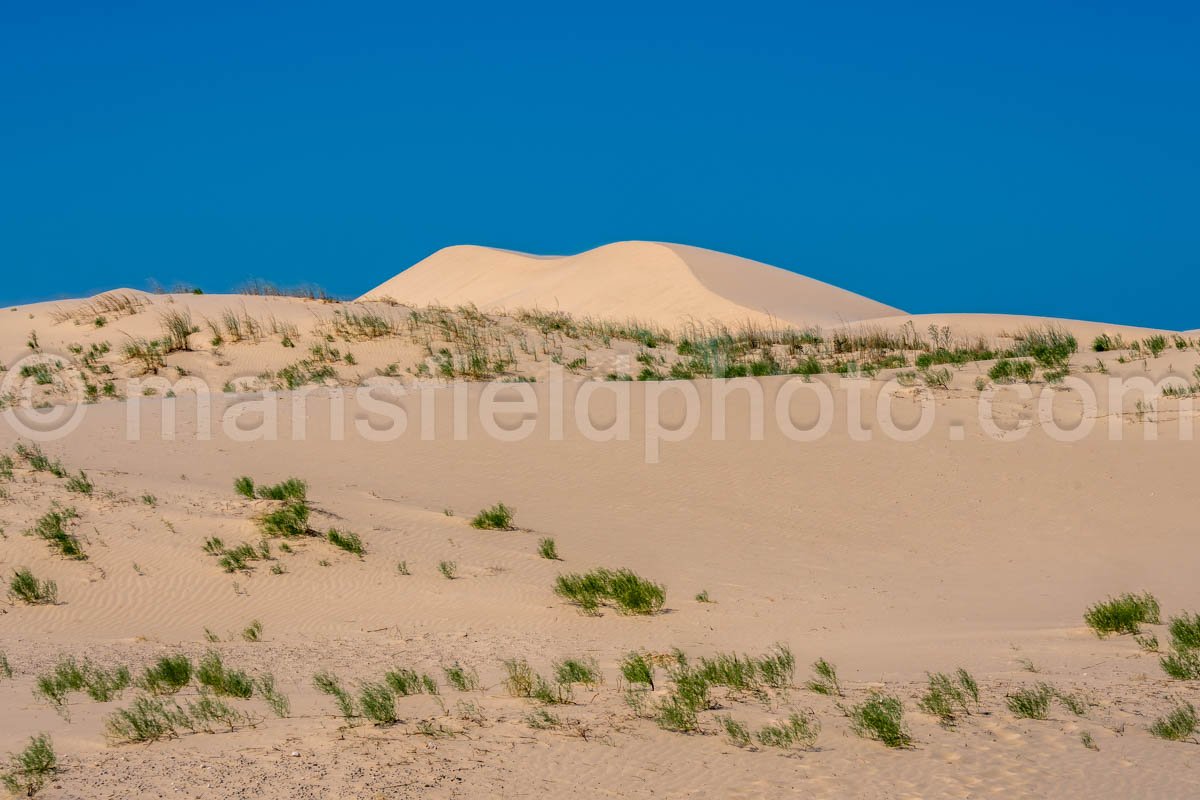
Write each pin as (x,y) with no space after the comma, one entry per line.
(819,502)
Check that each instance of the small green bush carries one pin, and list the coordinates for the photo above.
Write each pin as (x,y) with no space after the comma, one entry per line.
(327,683)
(573,670)
(289,521)
(149,719)
(80,483)
(1123,614)
(825,680)
(946,697)
(638,669)
(448,569)
(212,674)
(167,675)
(461,678)
(629,592)
(378,704)
(1032,702)
(799,730)
(51,528)
(497,518)
(347,541)
(1177,726)
(29,770)
(275,700)
(548,550)
(25,587)
(880,717)
(737,733)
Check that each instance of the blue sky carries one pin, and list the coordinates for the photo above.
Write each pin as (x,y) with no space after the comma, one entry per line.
(1017,157)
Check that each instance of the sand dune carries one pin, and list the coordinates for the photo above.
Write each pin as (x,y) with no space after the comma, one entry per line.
(667,284)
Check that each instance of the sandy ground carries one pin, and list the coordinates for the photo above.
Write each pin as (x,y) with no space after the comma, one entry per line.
(888,558)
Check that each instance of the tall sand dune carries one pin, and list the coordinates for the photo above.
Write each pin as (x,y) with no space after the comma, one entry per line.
(667,284)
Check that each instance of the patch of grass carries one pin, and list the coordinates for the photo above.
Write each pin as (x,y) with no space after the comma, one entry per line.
(880,717)
(638,670)
(1183,665)
(177,329)
(541,719)
(29,770)
(702,597)
(149,719)
(1031,702)
(346,540)
(573,670)
(800,729)
(51,528)
(522,681)
(1179,725)
(253,632)
(208,712)
(25,587)
(167,675)
(327,683)
(5,667)
(405,682)
(947,697)
(448,569)
(289,521)
(629,592)
(461,678)
(80,483)
(276,700)
(290,490)
(737,733)
(825,680)
(1148,642)
(245,487)
(378,703)
(1185,631)
(1087,741)
(150,500)
(497,518)
(547,549)
(39,461)
(212,674)
(1123,614)
(402,568)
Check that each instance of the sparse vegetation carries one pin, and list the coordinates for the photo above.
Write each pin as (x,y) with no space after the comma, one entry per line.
(378,703)
(548,550)
(799,730)
(497,518)
(880,717)
(327,683)
(449,569)
(1178,725)
(629,592)
(167,675)
(1031,702)
(346,540)
(51,528)
(212,674)
(25,587)
(1123,614)
(149,719)
(461,678)
(824,680)
(29,770)
(947,697)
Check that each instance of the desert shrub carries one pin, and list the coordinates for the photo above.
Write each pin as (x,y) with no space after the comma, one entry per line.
(25,587)
(638,669)
(212,674)
(730,670)
(737,733)
(946,697)
(1122,614)
(880,717)
(702,596)
(1185,631)
(150,353)
(6,467)
(167,675)
(449,569)
(276,700)
(547,549)
(1104,343)
(51,528)
(1031,702)
(177,329)
(574,670)
(29,770)
(405,682)
(290,490)
(778,667)
(800,729)
(103,685)
(461,678)
(80,483)
(5,667)
(522,681)
(541,719)
(1183,665)
(674,713)
(497,518)
(378,704)
(207,712)
(253,632)
(630,593)
(244,486)
(402,568)
(236,559)
(327,683)
(1178,725)
(39,461)
(149,719)
(1050,346)
(289,521)
(824,680)
(347,541)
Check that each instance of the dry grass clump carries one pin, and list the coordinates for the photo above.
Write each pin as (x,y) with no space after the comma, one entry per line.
(622,588)
(523,681)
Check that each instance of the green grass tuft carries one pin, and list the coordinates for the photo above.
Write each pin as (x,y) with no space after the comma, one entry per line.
(1177,726)
(880,717)
(25,587)
(630,593)
(1123,614)
(497,518)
